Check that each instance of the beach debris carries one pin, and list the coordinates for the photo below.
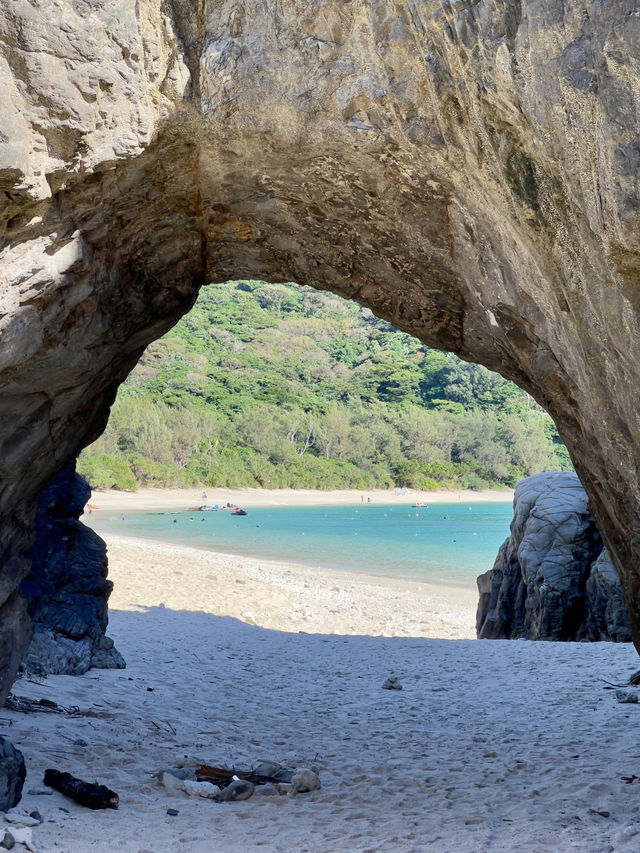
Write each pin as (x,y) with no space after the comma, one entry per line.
(32,706)
(20,829)
(20,835)
(627,697)
(600,812)
(20,819)
(223,776)
(236,790)
(207,790)
(88,794)
(392,683)
(302,781)
(268,790)
(228,784)
(172,778)
(173,812)
(277,772)
(305,780)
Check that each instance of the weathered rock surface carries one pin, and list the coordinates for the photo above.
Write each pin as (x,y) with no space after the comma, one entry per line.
(552,579)
(469,170)
(66,591)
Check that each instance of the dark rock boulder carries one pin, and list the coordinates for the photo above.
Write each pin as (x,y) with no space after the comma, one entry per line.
(606,615)
(67,590)
(12,775)
(552,579)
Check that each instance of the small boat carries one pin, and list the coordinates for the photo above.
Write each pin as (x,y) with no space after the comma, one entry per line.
(238,511)
(207,508)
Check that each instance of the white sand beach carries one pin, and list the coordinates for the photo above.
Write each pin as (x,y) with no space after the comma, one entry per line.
(489,746)
(113,500)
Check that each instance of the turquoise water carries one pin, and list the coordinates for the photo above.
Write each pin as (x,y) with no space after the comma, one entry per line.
(444,543)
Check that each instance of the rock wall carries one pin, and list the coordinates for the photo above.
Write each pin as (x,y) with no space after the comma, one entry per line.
(468,170)
(552,578)
(66,591)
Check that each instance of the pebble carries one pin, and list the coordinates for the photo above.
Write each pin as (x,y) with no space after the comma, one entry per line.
(627,696)
(304,780)
(276,771)
(22,819)
(21,835)
(173,812)
(238,790)
(268,790)
(200,789)
(8,842)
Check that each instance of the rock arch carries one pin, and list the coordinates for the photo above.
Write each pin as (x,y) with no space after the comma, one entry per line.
(468,170)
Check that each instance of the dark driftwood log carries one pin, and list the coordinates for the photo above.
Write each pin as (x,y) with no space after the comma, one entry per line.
(91,796)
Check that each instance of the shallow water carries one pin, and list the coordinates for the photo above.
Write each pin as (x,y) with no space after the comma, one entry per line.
(442,543)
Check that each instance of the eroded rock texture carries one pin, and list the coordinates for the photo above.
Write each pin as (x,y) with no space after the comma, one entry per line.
(552,579)
(66,591)
(468,170)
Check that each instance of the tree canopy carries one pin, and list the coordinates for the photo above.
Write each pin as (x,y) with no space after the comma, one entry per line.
(280,385)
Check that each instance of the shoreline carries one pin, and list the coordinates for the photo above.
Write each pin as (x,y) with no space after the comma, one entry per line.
(284,596)
(281,594)
(113,500)
(132,540)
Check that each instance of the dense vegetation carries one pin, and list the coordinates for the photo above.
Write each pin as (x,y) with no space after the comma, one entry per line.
(280,385)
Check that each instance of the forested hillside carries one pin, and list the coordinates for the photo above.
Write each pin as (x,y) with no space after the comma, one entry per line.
(280,385)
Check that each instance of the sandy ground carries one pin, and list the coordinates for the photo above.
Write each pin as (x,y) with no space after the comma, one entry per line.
(159,499)
(489,747)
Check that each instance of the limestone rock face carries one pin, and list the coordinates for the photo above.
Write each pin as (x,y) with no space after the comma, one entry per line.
(66,591)
(468,170)
(552,579)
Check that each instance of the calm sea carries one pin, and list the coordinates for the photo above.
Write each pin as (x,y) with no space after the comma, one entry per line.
(443,543)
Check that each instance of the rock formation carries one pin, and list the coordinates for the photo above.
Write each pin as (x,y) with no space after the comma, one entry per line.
(467,169)
(12,775)
(67,590)
(552,579)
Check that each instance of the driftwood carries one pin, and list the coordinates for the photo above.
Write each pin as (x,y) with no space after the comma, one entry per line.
(222,776)
(26,706)
(84,793)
